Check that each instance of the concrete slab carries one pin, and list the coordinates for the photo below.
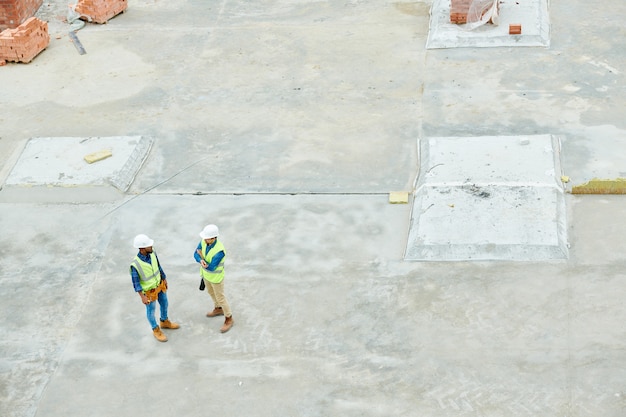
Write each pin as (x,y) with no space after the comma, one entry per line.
(489,198)
(531,14)
(68,169)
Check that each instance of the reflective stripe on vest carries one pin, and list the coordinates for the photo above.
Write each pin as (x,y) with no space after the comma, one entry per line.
(149,274)
(213,276)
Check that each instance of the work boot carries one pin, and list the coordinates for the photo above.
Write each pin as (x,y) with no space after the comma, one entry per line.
(159,334)
(167,324)
(228,323)
(217,311)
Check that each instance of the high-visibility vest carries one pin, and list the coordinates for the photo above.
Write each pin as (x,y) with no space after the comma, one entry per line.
(149,274)
(213,276)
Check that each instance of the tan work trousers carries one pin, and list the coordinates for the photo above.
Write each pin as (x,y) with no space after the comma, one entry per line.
(216,291)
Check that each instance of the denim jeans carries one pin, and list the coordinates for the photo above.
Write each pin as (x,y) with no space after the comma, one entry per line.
(150,309)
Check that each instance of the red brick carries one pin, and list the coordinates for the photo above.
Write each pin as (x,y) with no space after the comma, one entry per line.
(515,29)
(14,12)
(25,42)
(100,11)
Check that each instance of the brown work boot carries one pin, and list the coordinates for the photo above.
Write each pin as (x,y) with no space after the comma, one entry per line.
(217,311)
(159,334)
(167,324)
(228,323)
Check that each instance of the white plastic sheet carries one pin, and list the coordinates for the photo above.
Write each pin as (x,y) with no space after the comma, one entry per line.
(481,12)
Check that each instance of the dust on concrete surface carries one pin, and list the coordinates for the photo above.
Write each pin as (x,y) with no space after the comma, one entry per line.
(287,123)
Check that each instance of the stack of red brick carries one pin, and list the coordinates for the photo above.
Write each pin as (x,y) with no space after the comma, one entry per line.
(100,11)
(15,12)
(458,11)
(24,42)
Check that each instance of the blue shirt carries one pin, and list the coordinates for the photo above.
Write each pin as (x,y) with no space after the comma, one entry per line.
(135,275)
(216,259)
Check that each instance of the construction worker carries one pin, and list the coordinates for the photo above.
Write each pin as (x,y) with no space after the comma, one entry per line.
(150,283)
(210,254)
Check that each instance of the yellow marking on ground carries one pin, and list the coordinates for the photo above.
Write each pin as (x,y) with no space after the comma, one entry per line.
(398,197)
(601,186)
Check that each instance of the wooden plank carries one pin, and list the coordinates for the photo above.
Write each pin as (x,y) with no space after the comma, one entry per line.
(98,156)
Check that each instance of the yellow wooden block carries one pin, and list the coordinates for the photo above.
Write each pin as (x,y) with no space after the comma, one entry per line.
(98,156)
(398,197)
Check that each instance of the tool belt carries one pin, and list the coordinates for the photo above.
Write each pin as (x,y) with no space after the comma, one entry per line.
(153,294)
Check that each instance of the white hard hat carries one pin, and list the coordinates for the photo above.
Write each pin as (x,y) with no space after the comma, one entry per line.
(209,231)
(142,241)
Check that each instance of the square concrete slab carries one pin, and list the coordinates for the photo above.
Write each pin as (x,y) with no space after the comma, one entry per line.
(64,169)
(531,14)
(488,198)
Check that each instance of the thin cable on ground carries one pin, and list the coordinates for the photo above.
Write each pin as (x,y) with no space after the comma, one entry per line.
(153,187)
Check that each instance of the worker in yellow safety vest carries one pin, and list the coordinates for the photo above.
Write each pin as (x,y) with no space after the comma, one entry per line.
(150,283)
(210,254)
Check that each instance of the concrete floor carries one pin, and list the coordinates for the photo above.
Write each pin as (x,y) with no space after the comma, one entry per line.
(287,123)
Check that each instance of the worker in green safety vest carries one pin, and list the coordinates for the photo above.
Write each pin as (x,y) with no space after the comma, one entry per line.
(210,254)
(150,283)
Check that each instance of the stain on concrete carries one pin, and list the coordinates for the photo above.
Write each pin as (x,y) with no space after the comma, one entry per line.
(413,9)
